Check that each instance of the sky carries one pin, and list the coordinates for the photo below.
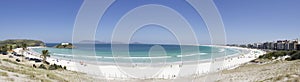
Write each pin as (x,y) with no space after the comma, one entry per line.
(245,21)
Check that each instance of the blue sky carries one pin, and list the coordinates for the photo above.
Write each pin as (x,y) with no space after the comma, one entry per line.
(245,21)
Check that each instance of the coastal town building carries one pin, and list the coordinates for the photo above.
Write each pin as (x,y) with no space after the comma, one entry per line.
(65,43)
(298,47)
(275,45)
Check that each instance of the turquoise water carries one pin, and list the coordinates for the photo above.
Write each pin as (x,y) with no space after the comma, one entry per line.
(138,52)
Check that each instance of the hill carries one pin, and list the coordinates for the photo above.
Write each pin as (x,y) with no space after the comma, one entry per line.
(19,42)
(65,45)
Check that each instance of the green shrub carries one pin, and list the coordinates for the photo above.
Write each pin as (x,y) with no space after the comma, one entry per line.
(54,67)
(55,77)
(10,61)
(3,74)
(295,56)
(42,66)
(288,59)
(65,67)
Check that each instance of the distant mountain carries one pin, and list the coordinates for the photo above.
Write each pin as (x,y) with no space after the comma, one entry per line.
(137,43)
(98,42)
(115,42)
(101,42)
(91,42)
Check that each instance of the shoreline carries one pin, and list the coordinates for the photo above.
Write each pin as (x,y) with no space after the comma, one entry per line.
(168,71)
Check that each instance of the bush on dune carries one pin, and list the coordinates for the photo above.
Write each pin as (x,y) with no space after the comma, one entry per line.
(3,74)
(54,67)
(42,66)
(293,54)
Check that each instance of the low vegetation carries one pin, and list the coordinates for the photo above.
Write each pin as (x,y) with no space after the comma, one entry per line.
(53,76)
(3,74)
(294,55)
(42,66)
(55,67)
(34,74)
(10,61)
(20,71)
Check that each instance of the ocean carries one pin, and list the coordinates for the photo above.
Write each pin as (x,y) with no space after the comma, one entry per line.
(138,53)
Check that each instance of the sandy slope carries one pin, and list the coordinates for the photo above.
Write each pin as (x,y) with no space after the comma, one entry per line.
(276,71)
(19,72)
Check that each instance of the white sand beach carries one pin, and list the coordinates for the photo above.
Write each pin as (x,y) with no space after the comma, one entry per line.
(168,71)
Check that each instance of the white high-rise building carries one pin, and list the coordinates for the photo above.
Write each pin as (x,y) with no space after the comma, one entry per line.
(298,41)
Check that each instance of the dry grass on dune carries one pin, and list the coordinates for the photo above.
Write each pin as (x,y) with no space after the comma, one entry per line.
(13,71)
(270,72)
